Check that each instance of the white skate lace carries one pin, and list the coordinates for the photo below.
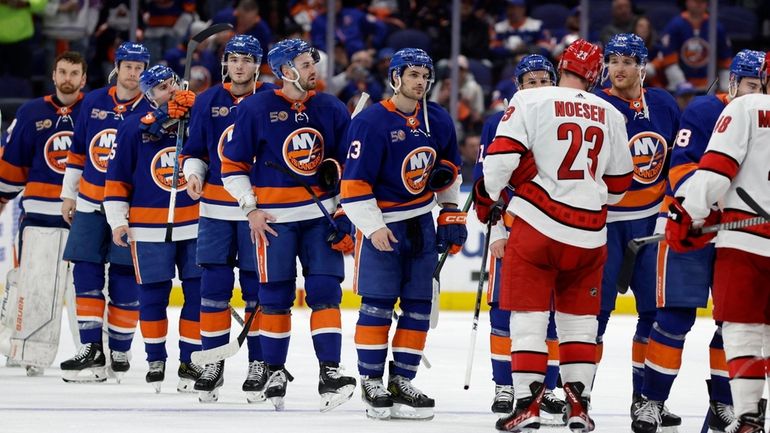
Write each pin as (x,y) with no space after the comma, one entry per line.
(649,412)
(211,371)
(195,368)
(278,378)
(119,357)
(725,412)
(405,387)
(256,370)
(551,398)
(334,372)
(157,366)
(504,393)
(84,351)
(375,388)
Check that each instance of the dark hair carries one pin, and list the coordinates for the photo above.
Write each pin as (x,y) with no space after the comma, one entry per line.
(73,57)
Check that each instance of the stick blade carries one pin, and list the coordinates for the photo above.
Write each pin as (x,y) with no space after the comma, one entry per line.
(627,268)
(434,305)
(211,31)
(216,354)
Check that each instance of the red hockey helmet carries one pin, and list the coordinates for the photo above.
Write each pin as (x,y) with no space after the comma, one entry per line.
(583,59)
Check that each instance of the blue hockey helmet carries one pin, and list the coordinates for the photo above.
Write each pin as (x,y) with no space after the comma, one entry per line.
(284,53)
(409,57)
(133,52)
(747,63)
(154,76)
(532,63)
(244,44)
(626,44)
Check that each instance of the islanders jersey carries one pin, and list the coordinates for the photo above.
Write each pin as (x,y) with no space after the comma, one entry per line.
(138,183)
(580,146)
(389,160)
(686,42)
(649,143)
(211,126)
(34,157)
(92,143)
(296,135)
(736,156)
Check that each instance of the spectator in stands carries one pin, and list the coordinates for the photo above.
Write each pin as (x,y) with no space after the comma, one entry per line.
(474,32)
(686,48)
(359,78)
(622,20)
(643,27)
(471,99)
(248,21)
(354,29)
(167,23)
(381,70)
(200,79)
(571,32)
(519,33)
(469,151)
(16,31)
(67,26)
(175,57)
(434,18)
(112,30)
(685,92)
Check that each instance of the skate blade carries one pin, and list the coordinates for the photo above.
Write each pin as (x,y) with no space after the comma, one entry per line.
(330,400)
(402,411)
(255,396)
(378,413)
(93,375)
(548,419)
(33,371)
(186,386)
(209,396)
(671,429)
(578,425)
(501,415)
(278,403)
(157,386)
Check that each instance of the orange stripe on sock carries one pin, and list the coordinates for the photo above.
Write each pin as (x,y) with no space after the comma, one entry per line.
(410,338)
(122,318)
(90,306)
(499,345)
(154,328)
(553,349)
(327,318)
(639,352)
(663,355)
(717,359)
(190,329)
(371,335)
(215,321)
(255,323)
(276,323)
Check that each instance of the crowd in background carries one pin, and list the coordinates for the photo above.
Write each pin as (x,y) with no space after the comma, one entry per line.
(494,35)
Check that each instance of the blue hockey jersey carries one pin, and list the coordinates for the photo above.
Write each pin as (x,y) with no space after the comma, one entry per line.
(685,41)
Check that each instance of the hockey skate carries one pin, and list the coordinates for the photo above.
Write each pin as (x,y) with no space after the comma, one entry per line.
(119,365)
(210,381)
(721,415)
(526,414)
(256,379)
(553,410)
(376,398)
(646,418)
(502,405)
(88,366)
(578,420)
(668,422)
(156,374)
(334,387)
(33,371)
(408,401)
(750,422)
(275,388)
(188,373)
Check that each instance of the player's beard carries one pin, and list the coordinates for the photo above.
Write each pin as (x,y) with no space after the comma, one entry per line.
(67,88)
(307,84)
(413,93)
(129,85)
(629,82)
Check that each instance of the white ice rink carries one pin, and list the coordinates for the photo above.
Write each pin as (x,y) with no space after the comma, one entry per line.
(46,404)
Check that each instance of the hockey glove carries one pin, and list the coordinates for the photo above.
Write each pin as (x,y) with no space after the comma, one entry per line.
(486,208)
(451,232)
(180,104)
(155,123)
(525,172)
(680,234)
(442,176)
(329,174)
(341,239)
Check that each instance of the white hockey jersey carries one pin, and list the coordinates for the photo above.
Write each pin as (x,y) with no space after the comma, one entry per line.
(580,146)
(737,155)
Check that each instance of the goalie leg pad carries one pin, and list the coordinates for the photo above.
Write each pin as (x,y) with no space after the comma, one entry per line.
(40,296)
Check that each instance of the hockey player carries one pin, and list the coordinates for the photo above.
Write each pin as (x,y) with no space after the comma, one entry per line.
(33,160)
(300,133)
(90,246)
(557,244)
(223,231)
(402,159)
(683,280)
(136,199)
(531,72)
(736,156)
(652,120)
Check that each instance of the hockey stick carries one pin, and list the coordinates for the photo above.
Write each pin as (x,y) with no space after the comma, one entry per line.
(477,307)
(752,204)
(216,354)
(434,306)
(634,245)
(182,124)
(360,105)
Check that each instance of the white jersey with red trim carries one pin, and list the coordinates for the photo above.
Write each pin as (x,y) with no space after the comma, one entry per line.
(580,146)
(737,155)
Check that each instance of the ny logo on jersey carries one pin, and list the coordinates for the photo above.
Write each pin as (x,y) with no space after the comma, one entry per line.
(226,137)
(55,151)
(100,148)
(416,167)
(648,150)
(303,151)
(162,170)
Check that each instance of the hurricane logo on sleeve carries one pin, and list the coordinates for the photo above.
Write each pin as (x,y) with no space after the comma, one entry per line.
(226,137)
(648,150)
(416,168)
(55,151)
(695,52)
(100,147)
(303,151)
(162,170)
